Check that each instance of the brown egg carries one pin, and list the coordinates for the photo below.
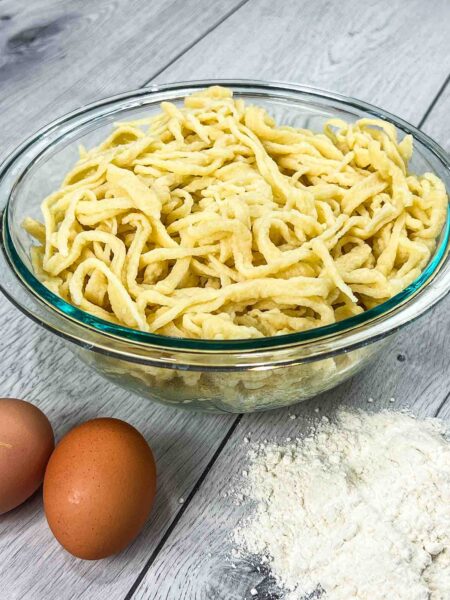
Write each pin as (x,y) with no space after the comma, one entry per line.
(26,442)
(99,488)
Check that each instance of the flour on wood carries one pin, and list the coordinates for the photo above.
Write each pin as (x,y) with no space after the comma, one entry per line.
(359,510)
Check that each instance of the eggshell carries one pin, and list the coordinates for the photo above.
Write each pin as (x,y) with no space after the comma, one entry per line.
(99,488)
(26,442)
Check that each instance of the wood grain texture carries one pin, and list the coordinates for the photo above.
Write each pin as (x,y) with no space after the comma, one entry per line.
(32,565)
(437,123)
(370,53)
(394,54)
(56,55)
(196,562)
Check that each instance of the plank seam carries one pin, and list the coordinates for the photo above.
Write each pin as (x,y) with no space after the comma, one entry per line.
(434,102)
(441,405)
(182,510)
(231,430)
(196,41)
(229,433)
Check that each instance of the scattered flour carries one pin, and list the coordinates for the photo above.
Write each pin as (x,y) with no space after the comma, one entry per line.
(359,510)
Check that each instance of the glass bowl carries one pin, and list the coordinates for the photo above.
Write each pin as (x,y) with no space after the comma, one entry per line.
(216,376)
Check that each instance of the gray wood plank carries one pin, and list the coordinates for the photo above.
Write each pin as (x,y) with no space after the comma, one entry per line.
(75,578)
(200,545)
(195,561)
(393,54)
(32,564)
(56,56)
(437,124)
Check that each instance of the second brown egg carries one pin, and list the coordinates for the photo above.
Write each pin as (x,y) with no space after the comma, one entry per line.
(99,488)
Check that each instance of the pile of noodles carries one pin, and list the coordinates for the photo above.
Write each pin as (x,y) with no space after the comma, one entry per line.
(209,221)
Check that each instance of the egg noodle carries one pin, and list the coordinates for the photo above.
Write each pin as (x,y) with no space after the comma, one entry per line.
(209,221)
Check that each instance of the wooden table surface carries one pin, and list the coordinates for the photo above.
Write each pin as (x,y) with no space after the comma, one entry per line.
(55,56)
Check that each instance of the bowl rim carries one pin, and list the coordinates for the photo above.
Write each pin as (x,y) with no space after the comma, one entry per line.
(386,317)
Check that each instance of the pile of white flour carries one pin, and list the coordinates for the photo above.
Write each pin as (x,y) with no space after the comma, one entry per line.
(359,510)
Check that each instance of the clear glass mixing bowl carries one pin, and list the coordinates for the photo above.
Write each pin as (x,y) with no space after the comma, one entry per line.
(225,376)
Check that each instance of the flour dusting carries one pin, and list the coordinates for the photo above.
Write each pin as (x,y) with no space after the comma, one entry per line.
(358,510)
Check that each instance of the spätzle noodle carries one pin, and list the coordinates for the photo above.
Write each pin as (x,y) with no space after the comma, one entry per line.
(209,221)
(235,392)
